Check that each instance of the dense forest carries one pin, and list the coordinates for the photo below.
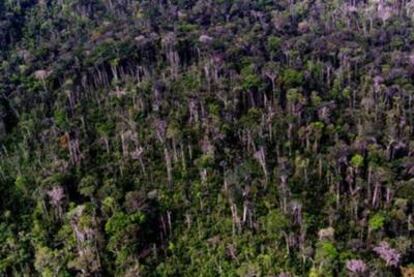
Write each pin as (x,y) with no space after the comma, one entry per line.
(207,138)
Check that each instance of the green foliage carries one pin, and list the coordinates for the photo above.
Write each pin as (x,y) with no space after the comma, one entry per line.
(377,221)
(357,161)
(21,183)
(327,251)
(293,95)
(60,119)
(274,43)
(251,119)
(326,256)
(87,186)
(130,147)
(275,223)
(317,125)
(250,79)
(120,221)
(292,78)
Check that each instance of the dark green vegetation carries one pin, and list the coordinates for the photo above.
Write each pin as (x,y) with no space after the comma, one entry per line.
(206,138)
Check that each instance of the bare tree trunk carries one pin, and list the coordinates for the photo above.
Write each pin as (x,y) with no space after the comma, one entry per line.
(236,219)
(169,166)
(183,161)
